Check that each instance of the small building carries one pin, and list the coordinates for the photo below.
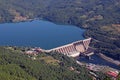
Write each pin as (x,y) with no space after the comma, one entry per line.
(31,52)
(38,50)
(112,74)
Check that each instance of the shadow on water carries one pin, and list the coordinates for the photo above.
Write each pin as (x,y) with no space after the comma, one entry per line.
(95,59)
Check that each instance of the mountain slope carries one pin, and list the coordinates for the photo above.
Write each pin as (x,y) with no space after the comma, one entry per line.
(14,65)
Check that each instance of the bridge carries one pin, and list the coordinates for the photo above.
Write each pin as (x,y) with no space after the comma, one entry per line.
(75,49)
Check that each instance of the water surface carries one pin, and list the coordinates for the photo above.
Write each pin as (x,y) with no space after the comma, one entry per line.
(38,33)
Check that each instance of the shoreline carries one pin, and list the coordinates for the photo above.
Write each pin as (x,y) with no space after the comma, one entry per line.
(27,20)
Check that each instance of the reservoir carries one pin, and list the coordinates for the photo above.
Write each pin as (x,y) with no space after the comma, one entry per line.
(38,33)
(44,34)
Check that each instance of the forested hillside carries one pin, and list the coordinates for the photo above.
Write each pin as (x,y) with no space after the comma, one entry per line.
(100,18)
(14,65)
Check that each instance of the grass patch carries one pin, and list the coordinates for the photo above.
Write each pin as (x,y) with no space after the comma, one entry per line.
(50,60)
(113,29)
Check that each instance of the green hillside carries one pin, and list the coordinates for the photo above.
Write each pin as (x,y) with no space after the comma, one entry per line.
(14,65)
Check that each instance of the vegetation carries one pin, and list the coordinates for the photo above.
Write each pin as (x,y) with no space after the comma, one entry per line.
(118,78)
(100,18)
(14,65)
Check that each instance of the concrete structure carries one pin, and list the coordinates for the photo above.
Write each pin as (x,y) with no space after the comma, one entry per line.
(75,49)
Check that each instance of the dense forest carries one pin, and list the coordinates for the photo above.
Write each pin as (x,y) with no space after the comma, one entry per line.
(100,18)
(14,65)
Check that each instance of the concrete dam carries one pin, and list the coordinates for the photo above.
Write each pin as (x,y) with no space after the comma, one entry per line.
(75,49)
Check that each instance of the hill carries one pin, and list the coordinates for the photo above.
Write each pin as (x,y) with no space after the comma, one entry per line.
(100,18)
(14,65)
